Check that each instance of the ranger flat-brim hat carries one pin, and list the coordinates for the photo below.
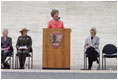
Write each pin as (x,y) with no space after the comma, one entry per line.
(24,29)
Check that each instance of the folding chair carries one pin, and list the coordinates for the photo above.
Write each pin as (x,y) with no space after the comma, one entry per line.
(109,51)
(10,58)
(86,60)
(30,60)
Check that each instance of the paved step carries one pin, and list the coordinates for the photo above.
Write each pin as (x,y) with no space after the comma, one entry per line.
(58,74)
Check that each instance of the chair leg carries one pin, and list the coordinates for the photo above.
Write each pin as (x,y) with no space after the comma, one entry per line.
(16,62)
(32,62)
(102,63)
(105,63)
(28,62)
(116,63)
(99,63)
(12,61)
(84,61)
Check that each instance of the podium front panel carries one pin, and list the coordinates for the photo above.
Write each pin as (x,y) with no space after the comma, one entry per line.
(56,57)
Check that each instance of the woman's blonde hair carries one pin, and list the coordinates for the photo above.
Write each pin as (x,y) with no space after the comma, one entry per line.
(53,12)
(93,29)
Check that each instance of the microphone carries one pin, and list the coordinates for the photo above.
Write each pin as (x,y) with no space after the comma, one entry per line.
(58,18)
(54,21)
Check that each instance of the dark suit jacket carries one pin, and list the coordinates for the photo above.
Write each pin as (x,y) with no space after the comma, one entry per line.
(8,42)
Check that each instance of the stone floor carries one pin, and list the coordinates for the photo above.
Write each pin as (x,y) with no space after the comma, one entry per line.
(58,74)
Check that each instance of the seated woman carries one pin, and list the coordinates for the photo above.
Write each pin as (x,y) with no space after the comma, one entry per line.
(92,48)
(55,22)
(6,46)
(23,46)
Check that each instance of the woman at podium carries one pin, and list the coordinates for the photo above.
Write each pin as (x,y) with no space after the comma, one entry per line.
(55,22)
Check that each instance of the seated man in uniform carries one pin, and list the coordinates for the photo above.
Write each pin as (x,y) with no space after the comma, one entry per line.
(23,46)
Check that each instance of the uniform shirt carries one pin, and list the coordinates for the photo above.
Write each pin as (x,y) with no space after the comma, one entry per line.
(24,41)
(55,24)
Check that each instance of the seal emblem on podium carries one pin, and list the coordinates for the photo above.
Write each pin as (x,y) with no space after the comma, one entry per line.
(56,38)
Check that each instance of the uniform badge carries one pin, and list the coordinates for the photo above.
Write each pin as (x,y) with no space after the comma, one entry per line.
(27,38)
(20,38)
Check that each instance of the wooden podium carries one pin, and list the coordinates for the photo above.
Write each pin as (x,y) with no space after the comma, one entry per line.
(56,57)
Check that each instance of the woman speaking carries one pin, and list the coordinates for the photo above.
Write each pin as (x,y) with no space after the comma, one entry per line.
(55,22)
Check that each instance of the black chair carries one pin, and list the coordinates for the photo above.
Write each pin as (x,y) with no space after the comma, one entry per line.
(86,60)
(109,51)
(30,60)
(11,58)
